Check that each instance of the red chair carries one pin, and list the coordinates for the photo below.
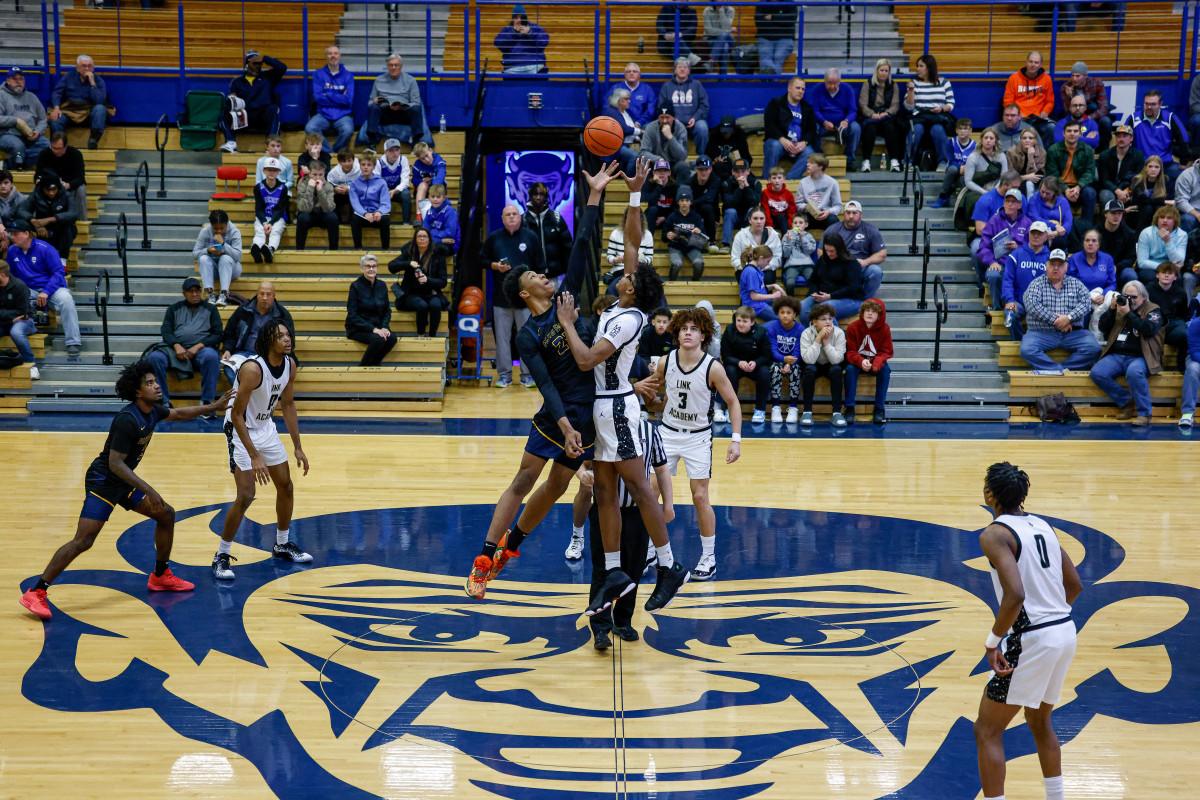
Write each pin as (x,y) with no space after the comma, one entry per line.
(228,174)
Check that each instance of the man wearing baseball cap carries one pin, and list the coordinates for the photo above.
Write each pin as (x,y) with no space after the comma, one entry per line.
(658,194)
(1116,239)
(1094,94)
(1012,227)
(667,140)
(1020,268)
(256,87)
(23,136)
(191,342)
(864,242)
(706,198)
(1057,309)
(1117,166)
(742,193)
(37,265)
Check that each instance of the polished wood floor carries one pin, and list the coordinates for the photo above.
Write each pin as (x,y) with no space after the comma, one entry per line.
(836,655)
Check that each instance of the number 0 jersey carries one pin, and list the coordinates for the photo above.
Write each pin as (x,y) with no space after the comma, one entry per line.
(1039,559)
(689,397)
(265,396)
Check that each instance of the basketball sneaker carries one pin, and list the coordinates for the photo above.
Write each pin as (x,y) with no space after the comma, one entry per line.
(651,557)
(288,551)
(670,581)
(616,585)
(168,582)
(477,580)
(706,569)
(575,548)
(503,554)
(220,566)
(35,601)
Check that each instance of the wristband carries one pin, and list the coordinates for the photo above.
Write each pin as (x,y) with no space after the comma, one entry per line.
(635,199)
(737,438)
(993,641)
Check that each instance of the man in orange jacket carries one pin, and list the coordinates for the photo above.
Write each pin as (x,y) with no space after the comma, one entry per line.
(1032,91)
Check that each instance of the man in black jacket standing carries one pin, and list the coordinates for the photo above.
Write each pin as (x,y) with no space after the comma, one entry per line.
(191,334)
(551,230)
(791,131)
(512,245)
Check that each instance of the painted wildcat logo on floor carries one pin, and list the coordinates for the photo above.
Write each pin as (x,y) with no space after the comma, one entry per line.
(846,640)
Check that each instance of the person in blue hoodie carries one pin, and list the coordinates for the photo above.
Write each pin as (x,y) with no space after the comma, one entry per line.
(333,90)
(36,264)
(836,107)
(428,170)
(371,202)
(1191,373)
(522,44)
(256,88)
(441,220)
(1049,206)
(1020,268)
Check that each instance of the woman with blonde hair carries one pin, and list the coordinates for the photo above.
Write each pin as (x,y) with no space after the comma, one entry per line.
(1028,158)
(879,110)
(1147,194)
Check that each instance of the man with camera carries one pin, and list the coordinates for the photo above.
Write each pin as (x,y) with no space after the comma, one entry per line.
(36,264)
(1134,330)
(394,108)
(14,317)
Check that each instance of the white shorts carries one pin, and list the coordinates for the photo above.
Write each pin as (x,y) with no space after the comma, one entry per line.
(266,442)
(1041,658)
(694,447)
(617,420)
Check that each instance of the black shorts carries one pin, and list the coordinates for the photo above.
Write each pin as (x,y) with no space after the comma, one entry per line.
(546,440)
(100,498)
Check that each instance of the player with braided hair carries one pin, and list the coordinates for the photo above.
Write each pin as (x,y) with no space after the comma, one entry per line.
(1035,583)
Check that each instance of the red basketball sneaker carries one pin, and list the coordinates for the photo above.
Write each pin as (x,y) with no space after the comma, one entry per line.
(35,601)
(477,580)
(167,582)
(503,554)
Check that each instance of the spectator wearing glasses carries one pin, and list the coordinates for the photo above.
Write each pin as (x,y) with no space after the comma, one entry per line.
(80,97)
(1095,97)
(369,313)
(642,99)
(1157,132)
(1133,331)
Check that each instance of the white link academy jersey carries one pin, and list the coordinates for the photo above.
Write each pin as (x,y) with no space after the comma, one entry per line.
(265,397)
(1039,559)
(622,327)
(689,404)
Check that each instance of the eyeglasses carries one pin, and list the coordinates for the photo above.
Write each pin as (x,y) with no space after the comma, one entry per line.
(1131,296)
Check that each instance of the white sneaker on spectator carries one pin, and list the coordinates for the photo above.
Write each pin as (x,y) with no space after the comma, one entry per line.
(575,548)
(758,416)
(229,147)
(807,418)
(776,414)
(223,299)
(720,415)
(866,167)
(35,375)
(791,417)
(838,420)
(1185,420)
(894,165)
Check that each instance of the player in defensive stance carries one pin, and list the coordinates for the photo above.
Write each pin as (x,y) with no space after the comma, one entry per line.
(692,378)
(1036,583)
(256,453)
(111,481)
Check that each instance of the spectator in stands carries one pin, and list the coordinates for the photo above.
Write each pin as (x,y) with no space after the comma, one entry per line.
(218,250)
(986,207)
(930,101)
(397,174)
(1031,89)
(783,335)
(333,92)
(1021,266)
(1089,131)
(315,207)
(1010,127)
(1028,158)
(728,145)
(551,230)
(836,281)
(1133,331)
(746,353)
(618,109)
(743,193)
(22,122)
(677,229)
(790,130)
(270,208)
(191,334)
(1050,207)
(1168,293)
(689,100)
(720,34)
(1117,239)
(314,150)
(394,108)
(615,255)
(823,351)
(1117,166)
(341,177)
(677,40)
(643,101)
(428,170)
(509,246)
(666,140)
(799,247)
(51,212)
(837,114)
(1187,196)
(10,199)
(962,147)
(81,98)
(67,162)
(868,349)
(656,341)
(1012,227)
(522,44)
(14,317)
(1163,240)
(821,194)
(1097,272)
(983,172)
(775,26)
(369,313)
(441,220)
(1191,374)
(4,241)
(256,88)
(879,110)
(37,264)
(1057,308)
(778,201)
(1160,133)
(659,194)
(424,278)
(753,290)
(1074,163)
(865,244)
(287,173)
(1095,98)
(241,331)
(1148,193)
(372,203)
(755,233)
(706,198)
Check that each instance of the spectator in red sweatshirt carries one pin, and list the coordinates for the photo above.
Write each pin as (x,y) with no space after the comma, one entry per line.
(778,201)
(868,348)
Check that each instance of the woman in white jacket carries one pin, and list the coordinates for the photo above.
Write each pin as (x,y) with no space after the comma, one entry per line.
(756,233)
(823,351)
(616,245)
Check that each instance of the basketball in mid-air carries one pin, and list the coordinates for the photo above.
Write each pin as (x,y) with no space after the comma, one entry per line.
(603,136)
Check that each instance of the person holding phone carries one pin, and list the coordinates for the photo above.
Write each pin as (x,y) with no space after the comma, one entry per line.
(423,265)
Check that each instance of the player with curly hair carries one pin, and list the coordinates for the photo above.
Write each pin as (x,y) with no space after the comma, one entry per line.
(111,482)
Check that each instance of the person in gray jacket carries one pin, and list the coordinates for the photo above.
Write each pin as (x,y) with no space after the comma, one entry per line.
(10,198)
(22,122)
(1008,129)
(218,249)
(689,98)
(1187,196)
(668,139)
(394,108)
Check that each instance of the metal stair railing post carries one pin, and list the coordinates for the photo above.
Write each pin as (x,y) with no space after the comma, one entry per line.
(918,204)
(162,153)
(101,303)
(141,186)
(941,304)
(904,186)
(123,251)
(922,304)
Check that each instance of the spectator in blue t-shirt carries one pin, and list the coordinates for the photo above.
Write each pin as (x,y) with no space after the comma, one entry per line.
(333,91)
(783,334)
(754,292)
(441,220)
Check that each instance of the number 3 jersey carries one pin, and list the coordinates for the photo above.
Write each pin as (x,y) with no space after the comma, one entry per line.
(264,397)
(689,404)
(1039,560)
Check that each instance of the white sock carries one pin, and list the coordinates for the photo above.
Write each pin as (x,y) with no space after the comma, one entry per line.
(281,536)
(223,547)
(1054,788)
(997,797)
(665,558)
(577,531)
(708,544)
(612,560)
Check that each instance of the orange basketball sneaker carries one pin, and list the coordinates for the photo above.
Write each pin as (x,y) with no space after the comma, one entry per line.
(503,554)
(477,580)
(167,582)
(35,601)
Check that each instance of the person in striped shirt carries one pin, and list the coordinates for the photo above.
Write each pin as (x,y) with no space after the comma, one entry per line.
(930,99)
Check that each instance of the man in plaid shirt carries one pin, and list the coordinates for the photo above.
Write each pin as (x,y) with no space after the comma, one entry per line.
(1056,312)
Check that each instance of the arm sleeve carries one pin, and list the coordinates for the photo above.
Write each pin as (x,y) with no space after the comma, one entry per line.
(1083,304)
(810,351)
(773,344)
(835,348)
(354,320)
(950,94)
(439,172)
(233,242)
(355,199)
(201,245)
(437,272)
(615,249)
(1010,90)
(702,105)
(1008,293)
(278,69)
(531,357)
(835,198)
(60,90)
(1177,247)
(1184,186)
(577,261)
(1034,307)
(1111,284)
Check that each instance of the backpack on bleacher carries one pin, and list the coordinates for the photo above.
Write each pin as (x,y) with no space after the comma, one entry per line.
(1056,408)
(10,358)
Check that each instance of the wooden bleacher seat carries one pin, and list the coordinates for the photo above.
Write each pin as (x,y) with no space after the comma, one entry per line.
(346,382)
(1089,400)
(15,378)
(1010,355)
(37,343)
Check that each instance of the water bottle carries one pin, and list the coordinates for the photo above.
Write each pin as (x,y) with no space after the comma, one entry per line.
(641,44)
(442,124)
(1010,318)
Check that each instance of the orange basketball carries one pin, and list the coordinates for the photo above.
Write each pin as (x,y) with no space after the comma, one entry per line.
(473,291)
(468,305)
(603,136)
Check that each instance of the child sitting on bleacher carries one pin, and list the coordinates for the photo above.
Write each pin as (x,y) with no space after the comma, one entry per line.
(270,207)
(752,288)
(275,150)
(678,228)
(777,200)
(442,220)
(396,173)
(315,205)
(821,194)
(655,341)
(823,350)
(314,144)
(746,353)
(428,170)
(340,177)
(962,147)
(868,348)
(371,203)
(798,249)
(783,335)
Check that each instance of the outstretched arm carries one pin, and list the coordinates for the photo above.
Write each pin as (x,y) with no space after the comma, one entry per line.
(585,357)
(633,222)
